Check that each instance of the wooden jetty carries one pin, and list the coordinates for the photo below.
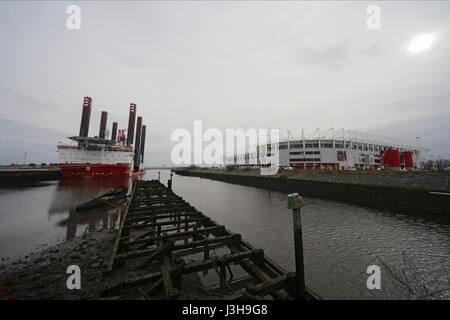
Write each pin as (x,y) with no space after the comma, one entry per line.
(112,199)
(165,246)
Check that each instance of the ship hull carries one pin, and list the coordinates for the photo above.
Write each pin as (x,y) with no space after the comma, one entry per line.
(78,162)
(81,170)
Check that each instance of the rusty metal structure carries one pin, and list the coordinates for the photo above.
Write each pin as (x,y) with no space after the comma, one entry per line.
(103,121)
(85,117)
(137,147)
(114,131)
(131,124)
(142,149)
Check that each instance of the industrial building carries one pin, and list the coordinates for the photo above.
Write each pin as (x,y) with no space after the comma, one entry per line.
(339,150)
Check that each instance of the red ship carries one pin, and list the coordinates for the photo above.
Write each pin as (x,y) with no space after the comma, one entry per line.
(102,155)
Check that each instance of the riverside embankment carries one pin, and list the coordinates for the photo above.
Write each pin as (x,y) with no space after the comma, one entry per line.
(18,175)
(405,192)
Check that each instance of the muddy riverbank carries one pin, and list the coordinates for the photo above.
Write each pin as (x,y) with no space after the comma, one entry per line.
(42,274)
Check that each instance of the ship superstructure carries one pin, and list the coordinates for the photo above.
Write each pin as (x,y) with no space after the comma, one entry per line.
(100,155)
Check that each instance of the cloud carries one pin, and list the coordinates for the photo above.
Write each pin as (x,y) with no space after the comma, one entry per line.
(280,31)
(418,98)
(375,49)
(130,60)
(289,65)
(135,61)
(433,131)
(17,137)
(28,100)
(336,56)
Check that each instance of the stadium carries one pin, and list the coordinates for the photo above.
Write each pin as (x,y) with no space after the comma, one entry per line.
(340,150)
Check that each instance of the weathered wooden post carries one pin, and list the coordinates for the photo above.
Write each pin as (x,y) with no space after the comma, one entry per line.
(296,202)
(159,175)
(169,182)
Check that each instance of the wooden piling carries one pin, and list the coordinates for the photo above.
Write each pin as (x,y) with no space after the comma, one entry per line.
(298,247)
(153,240)
(295,202)
(169,182)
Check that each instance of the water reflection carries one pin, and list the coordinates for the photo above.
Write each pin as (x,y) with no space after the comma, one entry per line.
(340,240)
(75,191)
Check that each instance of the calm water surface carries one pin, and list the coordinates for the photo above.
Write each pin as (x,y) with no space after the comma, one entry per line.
(340,240)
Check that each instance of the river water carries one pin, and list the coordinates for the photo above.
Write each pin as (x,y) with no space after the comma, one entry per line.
(340,240)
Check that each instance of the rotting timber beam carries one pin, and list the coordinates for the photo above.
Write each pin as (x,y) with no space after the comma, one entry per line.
(110,264)
(177,236)
(151,224)
(138,218)
(159,230)
(225,240)
(222,261)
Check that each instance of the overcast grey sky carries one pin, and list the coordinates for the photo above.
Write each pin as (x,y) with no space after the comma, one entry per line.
(283,65)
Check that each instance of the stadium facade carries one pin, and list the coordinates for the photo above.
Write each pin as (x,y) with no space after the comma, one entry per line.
(339,150)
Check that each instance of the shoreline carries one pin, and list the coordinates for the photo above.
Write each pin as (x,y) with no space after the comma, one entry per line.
(42,273)
(386,197)
(18,176)
(411,180)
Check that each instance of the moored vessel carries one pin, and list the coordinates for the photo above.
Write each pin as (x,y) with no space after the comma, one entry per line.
(101,155)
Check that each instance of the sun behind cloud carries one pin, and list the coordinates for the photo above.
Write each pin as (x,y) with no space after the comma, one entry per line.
(421,42)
